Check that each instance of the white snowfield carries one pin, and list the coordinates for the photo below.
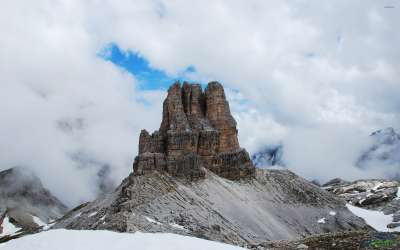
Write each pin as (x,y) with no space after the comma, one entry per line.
(376,219)
(62,239)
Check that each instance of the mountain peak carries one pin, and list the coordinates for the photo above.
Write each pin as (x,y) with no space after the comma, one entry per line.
(197,131)
(388,130)
(383,153)
(386,136)
(182,183)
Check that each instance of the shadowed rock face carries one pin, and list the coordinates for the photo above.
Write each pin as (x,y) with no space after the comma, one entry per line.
(197,130)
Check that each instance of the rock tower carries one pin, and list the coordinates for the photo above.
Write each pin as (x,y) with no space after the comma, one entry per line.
(197,131)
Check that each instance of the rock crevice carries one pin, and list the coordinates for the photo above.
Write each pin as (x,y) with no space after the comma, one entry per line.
(197,131)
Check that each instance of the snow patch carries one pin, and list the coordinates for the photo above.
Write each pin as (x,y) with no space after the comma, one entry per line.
(321,221)
(8,227)
(42,224)
(376,219)
(377,186)
(332,213)
(177,226)
(62,239)
(77,215)
(152,221)
(92,214)
(38,221)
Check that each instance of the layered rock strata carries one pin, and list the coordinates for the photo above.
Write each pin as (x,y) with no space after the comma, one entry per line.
(197,131)
(273,205)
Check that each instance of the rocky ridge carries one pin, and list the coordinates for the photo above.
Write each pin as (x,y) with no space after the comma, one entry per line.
(275,204)
(374,194)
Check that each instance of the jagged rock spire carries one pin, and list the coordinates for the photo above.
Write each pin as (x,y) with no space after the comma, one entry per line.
(197,131)
(174,117)
(219,115)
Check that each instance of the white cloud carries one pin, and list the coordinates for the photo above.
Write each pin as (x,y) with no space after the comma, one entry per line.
(50,78)
(305,66)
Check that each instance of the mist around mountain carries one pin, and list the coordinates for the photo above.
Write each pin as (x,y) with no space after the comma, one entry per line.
(384,153)
(380,155)
(269,156)
(25,205)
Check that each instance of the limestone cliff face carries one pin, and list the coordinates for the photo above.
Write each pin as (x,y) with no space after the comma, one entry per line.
(197,131)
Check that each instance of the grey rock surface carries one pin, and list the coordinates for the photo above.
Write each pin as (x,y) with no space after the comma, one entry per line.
(275,204)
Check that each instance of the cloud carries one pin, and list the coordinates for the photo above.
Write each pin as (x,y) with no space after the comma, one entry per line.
(60,100)
(326,152)
(309,70)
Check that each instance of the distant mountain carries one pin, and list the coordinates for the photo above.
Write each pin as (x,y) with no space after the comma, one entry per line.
(25,205)
(271,155)
(384,152)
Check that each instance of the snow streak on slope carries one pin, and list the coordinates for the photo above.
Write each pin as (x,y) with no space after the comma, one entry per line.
(62,239)
(398,194)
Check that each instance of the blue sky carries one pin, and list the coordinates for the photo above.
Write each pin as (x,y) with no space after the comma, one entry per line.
(149,78)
